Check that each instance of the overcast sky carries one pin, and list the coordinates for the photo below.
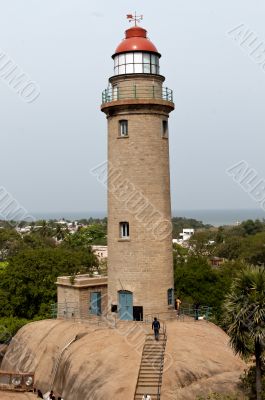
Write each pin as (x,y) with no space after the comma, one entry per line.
(48,146)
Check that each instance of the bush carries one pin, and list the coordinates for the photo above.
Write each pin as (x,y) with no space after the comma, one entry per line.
(219,396)
(9,327)
(249,383)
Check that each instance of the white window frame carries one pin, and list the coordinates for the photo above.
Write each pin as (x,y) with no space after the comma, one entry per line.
(124,230)
(123,128)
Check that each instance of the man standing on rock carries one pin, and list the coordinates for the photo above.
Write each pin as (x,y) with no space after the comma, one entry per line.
(156,327)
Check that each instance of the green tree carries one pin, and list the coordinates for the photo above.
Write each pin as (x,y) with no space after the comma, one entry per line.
(86,236)
(244,311)
(252,227)
(254,249)
(179,223)
(10,242)
(231,248)
(61,232)
(203,243)
(27,284)
(45,230)
(196,281)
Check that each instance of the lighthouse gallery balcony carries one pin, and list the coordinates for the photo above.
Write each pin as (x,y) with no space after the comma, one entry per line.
(128,92)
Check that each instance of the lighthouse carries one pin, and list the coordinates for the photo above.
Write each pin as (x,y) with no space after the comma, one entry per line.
(137,105)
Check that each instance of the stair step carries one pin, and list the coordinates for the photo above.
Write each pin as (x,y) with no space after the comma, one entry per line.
(154,352)
(151,364)
(151,377)
(151,368)
(147,373)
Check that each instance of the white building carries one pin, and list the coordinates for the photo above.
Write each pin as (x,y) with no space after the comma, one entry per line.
(184,236)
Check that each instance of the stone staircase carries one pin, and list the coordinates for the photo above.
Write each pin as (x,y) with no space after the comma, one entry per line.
(151,369)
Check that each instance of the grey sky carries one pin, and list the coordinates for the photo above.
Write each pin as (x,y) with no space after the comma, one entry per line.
(48,147)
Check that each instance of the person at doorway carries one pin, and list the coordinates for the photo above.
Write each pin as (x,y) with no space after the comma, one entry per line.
(197,310)
(177,305)
(156,328)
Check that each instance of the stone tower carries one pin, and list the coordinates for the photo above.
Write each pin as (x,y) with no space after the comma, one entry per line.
(137,106)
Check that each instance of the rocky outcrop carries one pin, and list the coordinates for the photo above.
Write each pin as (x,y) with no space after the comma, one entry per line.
(102,363)
(3,349)
(92,362)
(17,396)
(200,361)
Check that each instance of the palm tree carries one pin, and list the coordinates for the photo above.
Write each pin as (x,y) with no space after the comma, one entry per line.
(245,317)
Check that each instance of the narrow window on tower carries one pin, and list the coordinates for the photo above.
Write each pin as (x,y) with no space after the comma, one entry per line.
(123,128)
(124,230)
(170,297)
(164,129)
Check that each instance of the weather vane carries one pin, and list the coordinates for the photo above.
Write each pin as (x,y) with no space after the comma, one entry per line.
(135,18)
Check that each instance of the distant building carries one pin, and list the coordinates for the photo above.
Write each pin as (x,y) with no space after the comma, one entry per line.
(184,236)
(101,252)
(187,234)
(216,261)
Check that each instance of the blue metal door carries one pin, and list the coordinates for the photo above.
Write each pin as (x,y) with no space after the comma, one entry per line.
(95,303)
(125,305)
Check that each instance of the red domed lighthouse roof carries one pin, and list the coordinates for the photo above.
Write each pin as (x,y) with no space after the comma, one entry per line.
(136,40)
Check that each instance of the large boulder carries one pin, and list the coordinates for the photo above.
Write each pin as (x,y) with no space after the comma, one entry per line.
(17,396)
(200,361)
(91,361)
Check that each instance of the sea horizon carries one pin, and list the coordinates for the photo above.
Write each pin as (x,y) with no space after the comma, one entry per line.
(215,217)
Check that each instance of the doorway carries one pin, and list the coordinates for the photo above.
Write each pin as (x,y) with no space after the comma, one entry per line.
(95,303)
(125,305)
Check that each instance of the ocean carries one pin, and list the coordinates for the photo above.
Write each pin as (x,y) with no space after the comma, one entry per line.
(213,217)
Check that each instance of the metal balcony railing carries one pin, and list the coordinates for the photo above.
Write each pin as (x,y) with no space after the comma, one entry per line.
(116,93)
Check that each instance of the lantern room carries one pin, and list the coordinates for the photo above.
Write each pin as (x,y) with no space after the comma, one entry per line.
(136,54)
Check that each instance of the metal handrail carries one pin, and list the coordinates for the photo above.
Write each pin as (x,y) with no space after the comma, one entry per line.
(185,310)
(58,360)
(136,92)
(71,311)
(164,329)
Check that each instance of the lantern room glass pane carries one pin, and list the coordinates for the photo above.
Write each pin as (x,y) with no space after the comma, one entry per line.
(146,58)
(129,58)
(154,69)
(121,59)
(138,68)
(138,58)
(122,69)
(129,69)
(136,63)
(147,68)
